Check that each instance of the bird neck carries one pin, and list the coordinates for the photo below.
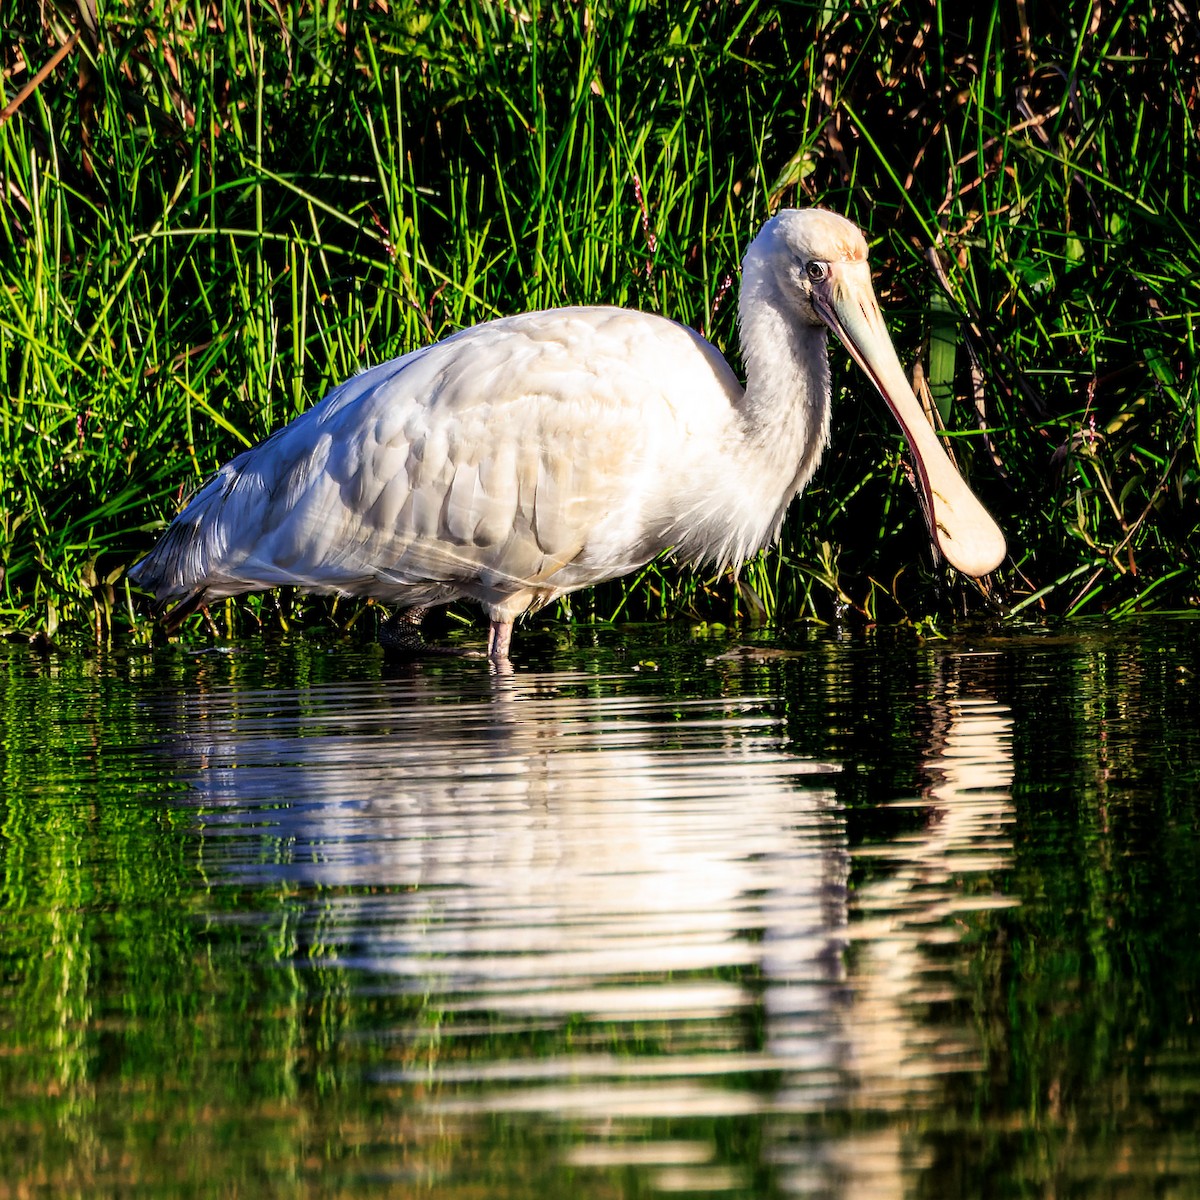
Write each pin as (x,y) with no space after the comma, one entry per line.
(785,409)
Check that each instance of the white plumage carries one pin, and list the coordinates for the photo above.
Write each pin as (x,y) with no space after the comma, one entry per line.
(527,457)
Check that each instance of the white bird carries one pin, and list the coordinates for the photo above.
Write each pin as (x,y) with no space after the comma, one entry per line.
(527,457)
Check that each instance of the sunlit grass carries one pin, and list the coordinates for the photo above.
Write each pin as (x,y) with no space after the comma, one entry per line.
(213,214)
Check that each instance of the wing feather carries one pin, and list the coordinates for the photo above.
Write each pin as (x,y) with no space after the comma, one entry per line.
(484,465)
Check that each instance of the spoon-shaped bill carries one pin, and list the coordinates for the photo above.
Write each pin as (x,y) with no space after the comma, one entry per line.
(960,526)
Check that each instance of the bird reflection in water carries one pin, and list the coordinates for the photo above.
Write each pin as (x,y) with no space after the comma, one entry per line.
(558,850)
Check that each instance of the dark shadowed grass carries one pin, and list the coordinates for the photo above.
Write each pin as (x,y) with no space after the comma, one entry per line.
(213,213)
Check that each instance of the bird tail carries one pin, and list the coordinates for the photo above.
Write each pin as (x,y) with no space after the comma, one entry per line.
(179,569)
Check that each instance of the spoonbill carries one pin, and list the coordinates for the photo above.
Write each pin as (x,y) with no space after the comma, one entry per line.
(526,457)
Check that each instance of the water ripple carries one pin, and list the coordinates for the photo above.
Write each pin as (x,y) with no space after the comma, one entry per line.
(557,854)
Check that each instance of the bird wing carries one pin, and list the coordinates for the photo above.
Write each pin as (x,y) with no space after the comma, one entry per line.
(485,465)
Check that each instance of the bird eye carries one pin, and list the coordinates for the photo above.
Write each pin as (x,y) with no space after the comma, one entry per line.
(817,271)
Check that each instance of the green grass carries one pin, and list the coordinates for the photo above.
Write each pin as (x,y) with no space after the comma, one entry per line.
(212,213)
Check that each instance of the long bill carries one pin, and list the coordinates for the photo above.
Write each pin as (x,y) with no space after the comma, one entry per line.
(960,526)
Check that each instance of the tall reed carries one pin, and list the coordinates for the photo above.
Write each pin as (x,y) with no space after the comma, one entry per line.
(215,211)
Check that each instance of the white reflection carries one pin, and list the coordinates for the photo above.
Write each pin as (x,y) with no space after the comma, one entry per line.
(560,850)
(939,874)
(596,856)
(937,877)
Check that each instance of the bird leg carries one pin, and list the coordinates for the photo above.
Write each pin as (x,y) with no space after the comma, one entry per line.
(499,639)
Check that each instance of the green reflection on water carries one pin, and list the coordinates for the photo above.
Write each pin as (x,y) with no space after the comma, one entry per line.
(137,1042)
(170,1027)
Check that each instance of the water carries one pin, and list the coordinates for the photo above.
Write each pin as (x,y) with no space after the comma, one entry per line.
(652,916)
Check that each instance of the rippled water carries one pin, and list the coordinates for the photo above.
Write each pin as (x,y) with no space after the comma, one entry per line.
(840,916)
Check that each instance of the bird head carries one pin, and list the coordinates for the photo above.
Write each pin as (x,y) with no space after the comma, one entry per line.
(816,262)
